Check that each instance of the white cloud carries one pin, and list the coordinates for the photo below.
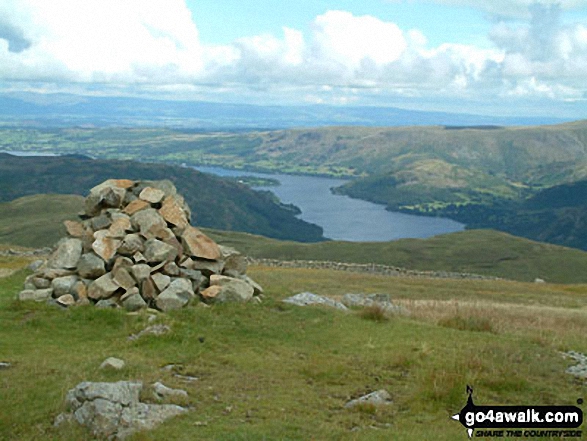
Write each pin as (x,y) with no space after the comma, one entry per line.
(507,8)
(339,58)
(104,40)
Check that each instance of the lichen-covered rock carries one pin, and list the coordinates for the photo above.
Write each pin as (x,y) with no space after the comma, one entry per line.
(67,254)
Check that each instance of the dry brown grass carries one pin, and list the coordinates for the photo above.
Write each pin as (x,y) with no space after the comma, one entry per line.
(544,324)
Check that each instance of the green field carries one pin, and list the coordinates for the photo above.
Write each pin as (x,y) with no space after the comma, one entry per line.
(276,371)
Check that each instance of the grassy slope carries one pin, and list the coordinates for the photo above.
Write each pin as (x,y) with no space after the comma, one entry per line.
(273,371)
(215,202)
(36,221)
(484,252)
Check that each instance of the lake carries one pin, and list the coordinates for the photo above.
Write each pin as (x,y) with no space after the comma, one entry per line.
(342,217)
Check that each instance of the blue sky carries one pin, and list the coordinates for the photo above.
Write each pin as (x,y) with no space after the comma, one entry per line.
(501,57)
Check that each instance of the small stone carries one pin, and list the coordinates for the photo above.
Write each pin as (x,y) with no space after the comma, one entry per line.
(100,222)
(232,290)
(119,227)
(152,195)
(148,221)
(5,365)
(91,266)
(378,398)
(158,251)
(211,292)
(156,330)
(123,278)
(113,363)
(67,254)
(66,300)
(104,245)
(36,265)
(37,295)
(41,283)
(197,244)
(308,298)
(149,290)
(134,302)
(136,206)
(63,285)
(176,296)
(74,229)
(171,269)
(106,303)
(131,244)
(172,212)
(103,287)
(138,258)
(160,391)
(161,281)
(140,271)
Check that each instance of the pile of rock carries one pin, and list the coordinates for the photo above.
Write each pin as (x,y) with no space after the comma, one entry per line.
(134,247)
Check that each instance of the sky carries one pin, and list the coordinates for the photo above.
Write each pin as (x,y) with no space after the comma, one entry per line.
(494,57)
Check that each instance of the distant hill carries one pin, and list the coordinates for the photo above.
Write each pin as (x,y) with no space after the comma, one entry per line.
(214,202)
(67,110)
(36,221)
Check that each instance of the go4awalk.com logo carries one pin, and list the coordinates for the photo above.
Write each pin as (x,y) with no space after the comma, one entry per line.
(520,421)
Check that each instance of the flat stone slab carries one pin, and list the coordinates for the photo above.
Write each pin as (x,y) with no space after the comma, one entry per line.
(377,398)
(308,298)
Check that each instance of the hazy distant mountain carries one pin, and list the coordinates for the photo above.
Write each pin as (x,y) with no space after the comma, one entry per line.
(64,110)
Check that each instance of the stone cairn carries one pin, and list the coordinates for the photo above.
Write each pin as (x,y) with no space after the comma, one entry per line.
(134,247)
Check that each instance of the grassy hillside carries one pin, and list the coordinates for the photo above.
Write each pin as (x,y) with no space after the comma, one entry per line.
(215,202)
(485,252)
(36,221)
(276,371)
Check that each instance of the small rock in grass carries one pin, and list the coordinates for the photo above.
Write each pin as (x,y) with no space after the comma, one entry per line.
(113,363)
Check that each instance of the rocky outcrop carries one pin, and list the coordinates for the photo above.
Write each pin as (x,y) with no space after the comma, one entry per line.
(114,410)
(134,247)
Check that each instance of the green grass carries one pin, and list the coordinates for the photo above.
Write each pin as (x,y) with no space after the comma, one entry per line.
(275,371)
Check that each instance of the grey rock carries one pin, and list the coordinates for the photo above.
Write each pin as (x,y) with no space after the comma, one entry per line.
(377,398)
(235,264)
(258,289)
(131,244)
(113,363)
(37,295)
(308,298)
(66,300)
(158,251)
(91,266)
(121,392)
(155,330)
(161,281)
(67,254)
(106,303)
(146,417)
(103,287)
(122,277)
(41,282)
(579,370)
(140,271)
(5,365)
(207,267)
(231,289)
(63,285)
(160,391)
(176,296)
(113,410)
(134,302)
(100,222)
(147,221)
(171,269)
(37,264)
